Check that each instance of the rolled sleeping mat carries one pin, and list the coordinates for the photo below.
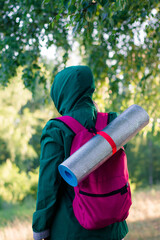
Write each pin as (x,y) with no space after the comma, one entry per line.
(103,145)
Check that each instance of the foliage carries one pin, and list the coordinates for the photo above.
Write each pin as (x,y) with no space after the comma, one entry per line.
(23,25)
(143,160)
(105,30)
(13,184)
(33,183)
(118,40)
(15,127)
(21,123)
(13,214)
(16,185)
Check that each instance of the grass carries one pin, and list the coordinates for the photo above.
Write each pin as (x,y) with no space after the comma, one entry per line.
(148,229)
(10,212)
(15,221)
(143,221)
(144,218)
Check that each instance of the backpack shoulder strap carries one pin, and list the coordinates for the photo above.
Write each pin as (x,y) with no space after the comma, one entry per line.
(101,122)
(72,123)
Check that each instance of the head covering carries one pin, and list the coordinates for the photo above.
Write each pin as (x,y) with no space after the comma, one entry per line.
(72,89)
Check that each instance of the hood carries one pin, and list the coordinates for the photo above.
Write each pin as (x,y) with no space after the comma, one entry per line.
(72,89)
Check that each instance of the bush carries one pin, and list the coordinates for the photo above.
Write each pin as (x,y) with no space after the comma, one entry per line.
(16,185)
(1,202)
(33,183)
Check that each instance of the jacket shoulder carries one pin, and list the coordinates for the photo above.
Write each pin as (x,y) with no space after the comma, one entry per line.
(112,116)
(55,129)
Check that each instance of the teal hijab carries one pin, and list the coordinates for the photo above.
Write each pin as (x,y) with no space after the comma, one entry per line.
(72,89)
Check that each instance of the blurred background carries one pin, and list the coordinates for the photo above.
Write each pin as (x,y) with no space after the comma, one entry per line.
(119,40)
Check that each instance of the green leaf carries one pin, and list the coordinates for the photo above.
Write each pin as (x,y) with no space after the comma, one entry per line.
(75,28)
(45,2)
(35,66)
(66,5)
(72,9)
(92,8)
(103,2)
(58,17)
(52,24)
(85,4)
(104,16)
(67,25)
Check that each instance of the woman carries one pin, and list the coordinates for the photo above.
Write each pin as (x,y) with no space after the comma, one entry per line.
(54,219)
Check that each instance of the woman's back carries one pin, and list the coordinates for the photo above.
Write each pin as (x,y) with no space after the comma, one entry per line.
(72,95)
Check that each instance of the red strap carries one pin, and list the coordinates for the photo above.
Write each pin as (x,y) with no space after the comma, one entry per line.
(109,140)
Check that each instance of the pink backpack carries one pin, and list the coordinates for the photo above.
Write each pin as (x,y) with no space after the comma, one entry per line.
(104,197)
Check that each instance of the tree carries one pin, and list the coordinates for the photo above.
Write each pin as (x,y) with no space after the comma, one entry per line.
(21,121)
(143,160)
(118,39)
(105,30)
(23,25)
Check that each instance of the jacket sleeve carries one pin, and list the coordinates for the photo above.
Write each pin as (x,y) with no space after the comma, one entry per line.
(52,154)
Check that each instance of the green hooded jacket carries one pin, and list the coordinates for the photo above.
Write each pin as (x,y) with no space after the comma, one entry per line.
(71,92)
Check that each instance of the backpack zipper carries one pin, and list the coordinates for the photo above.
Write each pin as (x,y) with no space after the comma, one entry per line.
(122,190)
